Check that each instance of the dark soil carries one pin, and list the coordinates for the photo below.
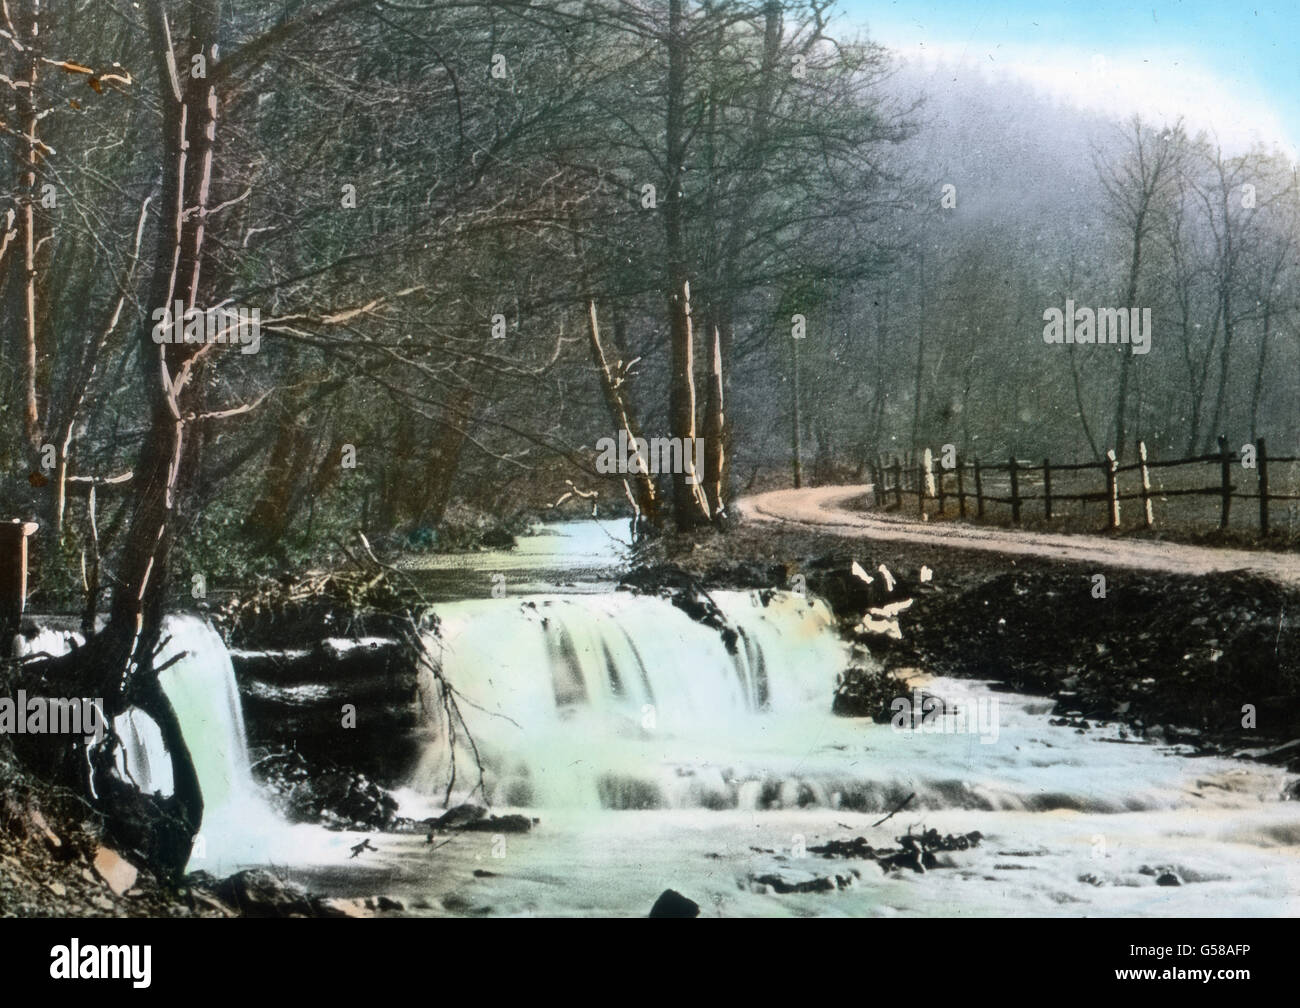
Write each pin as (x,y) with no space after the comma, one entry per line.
(47,865)
(1175,658)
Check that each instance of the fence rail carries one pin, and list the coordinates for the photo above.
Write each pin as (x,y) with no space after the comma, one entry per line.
(893,478)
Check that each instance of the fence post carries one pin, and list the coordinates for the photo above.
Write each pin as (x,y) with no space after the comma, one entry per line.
(1148,518)
(13,579)
(898,484)
(1261,459)
(979,491)
(961,490)
(938,482)
(1047,488)
(1112,486)
(1225,462)
(920,490)
(1015,491)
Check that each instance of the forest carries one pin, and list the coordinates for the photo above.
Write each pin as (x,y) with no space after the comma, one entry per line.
(466,244)
(330,325)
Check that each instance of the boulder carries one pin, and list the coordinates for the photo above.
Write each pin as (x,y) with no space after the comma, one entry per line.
(460,817)
(292,700)
(474,819)
(671,903)
(498,538)
(258,893)
(501,824)
(305,791)
(867,692)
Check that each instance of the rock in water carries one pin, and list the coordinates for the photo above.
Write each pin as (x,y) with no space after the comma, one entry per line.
(461,816)
(671,903)
(791,880)
(498,538)
(500,824)
(257,893)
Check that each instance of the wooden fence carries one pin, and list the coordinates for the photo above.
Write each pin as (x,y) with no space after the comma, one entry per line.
(966,484)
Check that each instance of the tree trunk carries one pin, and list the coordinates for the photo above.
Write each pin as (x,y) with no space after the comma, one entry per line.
(444,460)
(1226,278)
(1217,420)
(125,650)
(690,508)
(920,352)
(620,413)
(795,421)
(1126,358)
(34,227)
(272,511)
(1257,392)
(715,430)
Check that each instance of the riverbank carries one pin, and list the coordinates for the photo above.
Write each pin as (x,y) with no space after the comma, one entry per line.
(1210,661)
(1160,658)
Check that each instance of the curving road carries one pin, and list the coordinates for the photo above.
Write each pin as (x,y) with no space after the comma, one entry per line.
(827,509)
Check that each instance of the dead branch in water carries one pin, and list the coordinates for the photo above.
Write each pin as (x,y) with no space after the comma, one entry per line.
(902,805)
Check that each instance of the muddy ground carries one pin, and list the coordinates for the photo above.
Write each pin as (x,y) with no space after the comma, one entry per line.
(1211,661)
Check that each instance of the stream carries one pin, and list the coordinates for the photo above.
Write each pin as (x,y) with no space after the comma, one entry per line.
(654,755)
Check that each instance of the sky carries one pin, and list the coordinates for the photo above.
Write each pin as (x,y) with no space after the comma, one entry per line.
(1229,67)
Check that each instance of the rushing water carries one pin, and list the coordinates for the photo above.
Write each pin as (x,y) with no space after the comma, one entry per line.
(621,701)
(655,756)
(202,690)
(238,826)
(1074,823)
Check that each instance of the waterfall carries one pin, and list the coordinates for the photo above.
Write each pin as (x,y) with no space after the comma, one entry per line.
(618,700)
(202,690)
(201,687)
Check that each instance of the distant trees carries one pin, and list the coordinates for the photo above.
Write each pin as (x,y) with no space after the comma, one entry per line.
(1138,190)
(426,200)
(1106,215)
(1236,196)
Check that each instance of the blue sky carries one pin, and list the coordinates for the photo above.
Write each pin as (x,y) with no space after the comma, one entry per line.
(1230,66)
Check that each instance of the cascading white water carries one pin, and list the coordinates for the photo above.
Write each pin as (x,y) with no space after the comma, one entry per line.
(622,702)
(201,687)
(618,700)
(202,690)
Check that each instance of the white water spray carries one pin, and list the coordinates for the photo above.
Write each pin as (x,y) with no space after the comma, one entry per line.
(201,687)
(618,700)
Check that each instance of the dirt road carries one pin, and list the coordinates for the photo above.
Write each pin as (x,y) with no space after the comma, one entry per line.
(828,509)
